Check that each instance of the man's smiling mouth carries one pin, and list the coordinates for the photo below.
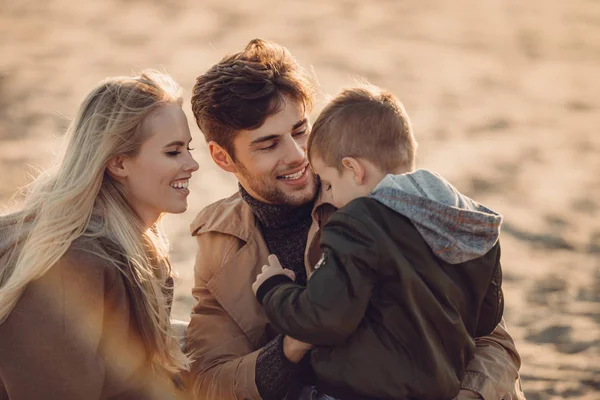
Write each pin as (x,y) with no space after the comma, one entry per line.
(296,175)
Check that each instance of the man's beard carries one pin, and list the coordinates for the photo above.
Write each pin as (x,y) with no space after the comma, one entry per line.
(273,194)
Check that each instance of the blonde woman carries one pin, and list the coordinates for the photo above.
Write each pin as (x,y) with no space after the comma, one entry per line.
(85,283)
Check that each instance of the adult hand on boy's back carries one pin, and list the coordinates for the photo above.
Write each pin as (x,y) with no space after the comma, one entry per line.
(294,350)
(272,269)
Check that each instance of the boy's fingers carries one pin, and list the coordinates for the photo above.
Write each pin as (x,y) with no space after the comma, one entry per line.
(274,261)
(290,274)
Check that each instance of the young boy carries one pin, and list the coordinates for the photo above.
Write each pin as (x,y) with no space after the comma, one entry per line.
(410,271)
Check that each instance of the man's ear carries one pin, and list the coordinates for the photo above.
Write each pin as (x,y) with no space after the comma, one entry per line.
(356,168)
(116,167)
(221,157)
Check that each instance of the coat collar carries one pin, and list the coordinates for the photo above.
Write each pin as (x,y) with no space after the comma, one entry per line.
(233,216)
(231,283)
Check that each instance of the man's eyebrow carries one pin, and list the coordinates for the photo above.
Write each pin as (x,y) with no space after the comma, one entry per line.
(299,123)
(263,139)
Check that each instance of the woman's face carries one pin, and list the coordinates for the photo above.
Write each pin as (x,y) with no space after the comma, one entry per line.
(157,177)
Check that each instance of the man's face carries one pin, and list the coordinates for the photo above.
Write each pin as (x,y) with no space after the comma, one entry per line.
(271,160)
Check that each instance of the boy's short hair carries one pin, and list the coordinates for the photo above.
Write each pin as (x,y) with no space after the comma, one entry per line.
(364,122)
(243,89)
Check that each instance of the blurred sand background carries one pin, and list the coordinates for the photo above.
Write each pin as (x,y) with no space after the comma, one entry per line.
(504,97)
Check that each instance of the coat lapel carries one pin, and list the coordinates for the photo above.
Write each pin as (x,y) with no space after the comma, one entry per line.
(232,287)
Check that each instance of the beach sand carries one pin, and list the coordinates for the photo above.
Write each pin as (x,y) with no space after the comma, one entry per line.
(504,98)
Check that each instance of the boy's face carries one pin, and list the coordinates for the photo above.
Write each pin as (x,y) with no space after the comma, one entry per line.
(342,187)
(271,161)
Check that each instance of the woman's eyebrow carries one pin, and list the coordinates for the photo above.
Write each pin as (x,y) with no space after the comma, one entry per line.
(175,143)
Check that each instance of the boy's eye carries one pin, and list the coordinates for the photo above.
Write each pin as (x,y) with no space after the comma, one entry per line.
(327,187)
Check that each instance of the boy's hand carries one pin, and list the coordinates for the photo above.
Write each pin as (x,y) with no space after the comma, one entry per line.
(272,269)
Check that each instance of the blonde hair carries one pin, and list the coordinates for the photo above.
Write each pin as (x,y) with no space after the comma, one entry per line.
(82,199)
(366,122)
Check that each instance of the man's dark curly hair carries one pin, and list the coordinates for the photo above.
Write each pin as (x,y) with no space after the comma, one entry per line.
(244,89)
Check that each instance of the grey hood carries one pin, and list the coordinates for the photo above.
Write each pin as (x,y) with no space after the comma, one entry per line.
(456,228)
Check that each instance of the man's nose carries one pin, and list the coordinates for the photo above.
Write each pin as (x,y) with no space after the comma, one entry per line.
(295,152)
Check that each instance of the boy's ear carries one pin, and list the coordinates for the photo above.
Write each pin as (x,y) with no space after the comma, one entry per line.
(221,157)
(116,167)
(356,168)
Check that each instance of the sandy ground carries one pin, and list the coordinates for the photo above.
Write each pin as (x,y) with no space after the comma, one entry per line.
(504,98)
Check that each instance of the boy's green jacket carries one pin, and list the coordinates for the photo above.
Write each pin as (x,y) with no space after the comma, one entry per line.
(389,317)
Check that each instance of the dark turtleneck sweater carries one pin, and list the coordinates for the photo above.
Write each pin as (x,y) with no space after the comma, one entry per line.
(285,230)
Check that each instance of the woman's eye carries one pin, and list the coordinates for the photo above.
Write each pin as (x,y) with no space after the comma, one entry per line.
(173,153)
(327,188)
(190,149)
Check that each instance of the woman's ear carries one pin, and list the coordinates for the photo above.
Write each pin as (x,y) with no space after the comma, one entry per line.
(116,167)
(221,157)
(355,167)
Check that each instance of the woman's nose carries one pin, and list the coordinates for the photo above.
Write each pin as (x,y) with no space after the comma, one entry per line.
(191,165)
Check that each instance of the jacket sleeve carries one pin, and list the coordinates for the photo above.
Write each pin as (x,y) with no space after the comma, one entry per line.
(494,372)
(223,359)
(335,299)
(51,338)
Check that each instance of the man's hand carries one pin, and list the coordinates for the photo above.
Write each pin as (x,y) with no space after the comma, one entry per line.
(294,350)
(272,269)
